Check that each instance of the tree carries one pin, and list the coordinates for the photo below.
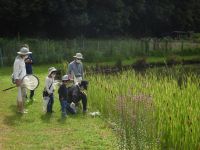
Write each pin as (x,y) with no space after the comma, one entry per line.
(107,17)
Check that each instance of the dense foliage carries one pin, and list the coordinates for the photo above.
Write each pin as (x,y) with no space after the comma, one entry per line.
(97,18)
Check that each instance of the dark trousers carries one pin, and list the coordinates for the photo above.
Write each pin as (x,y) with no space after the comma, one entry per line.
(50,104)
(65,106)
(83,97)
(31,91)
(31,94)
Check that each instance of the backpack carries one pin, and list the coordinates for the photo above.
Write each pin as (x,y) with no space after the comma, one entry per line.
(45,93)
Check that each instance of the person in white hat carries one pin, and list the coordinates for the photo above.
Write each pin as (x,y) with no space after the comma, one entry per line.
(19,71)
(49,90)
(63,96)
(75,68)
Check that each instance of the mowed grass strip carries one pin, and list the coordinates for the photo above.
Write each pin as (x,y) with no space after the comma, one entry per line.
(37,130)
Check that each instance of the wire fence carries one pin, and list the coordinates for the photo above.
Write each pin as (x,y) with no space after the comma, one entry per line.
(94,50)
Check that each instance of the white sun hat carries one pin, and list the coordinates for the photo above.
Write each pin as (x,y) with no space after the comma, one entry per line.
(24,51)
(52,69)
(66,78)
(78,56)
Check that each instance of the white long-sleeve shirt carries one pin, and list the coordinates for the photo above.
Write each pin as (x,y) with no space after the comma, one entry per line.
(19,69)
(48,83)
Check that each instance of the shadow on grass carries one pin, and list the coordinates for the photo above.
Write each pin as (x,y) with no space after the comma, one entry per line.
(62,120)
(13,119)
(29,103)
(17,118)
(46,117)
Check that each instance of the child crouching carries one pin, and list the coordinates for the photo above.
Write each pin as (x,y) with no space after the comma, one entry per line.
(63,96)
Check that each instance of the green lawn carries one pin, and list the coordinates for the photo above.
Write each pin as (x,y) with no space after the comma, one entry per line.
(37,130)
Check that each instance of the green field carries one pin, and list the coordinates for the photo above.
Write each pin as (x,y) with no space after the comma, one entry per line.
(36,130)
(156,110)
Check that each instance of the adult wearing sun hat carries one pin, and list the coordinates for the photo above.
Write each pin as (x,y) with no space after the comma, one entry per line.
(19,71)
(75,68)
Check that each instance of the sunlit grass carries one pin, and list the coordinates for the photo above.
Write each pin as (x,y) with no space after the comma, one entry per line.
(37,131)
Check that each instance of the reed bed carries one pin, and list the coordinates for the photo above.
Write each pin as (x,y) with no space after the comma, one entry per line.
(149,111)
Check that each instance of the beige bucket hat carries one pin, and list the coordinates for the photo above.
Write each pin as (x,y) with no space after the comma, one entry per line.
(66,78)
(78,56)
(24,51)
(51,70)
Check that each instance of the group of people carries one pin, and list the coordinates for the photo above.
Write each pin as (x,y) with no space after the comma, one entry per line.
(71,89)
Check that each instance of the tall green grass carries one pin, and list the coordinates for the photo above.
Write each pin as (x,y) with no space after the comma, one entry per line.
(150,111)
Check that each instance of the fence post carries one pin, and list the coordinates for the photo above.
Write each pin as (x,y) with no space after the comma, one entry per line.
(182,45)
(75,44)
(166,46)
(83,47)
(146,46)
(1,58)
(98,45)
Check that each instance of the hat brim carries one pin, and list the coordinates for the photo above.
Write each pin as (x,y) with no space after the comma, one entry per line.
(78,57)
(69,80)
(54,70)
(20,53)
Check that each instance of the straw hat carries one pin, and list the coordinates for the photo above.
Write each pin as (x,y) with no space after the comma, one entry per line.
(24,51)
(51,70)
(78,56)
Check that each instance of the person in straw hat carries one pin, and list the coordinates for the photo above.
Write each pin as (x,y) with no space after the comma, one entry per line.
(75,68)
(19,71)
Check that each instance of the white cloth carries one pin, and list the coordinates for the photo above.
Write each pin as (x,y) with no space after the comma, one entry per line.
(45,103)
(77,80)
(19,69)
(48,83)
